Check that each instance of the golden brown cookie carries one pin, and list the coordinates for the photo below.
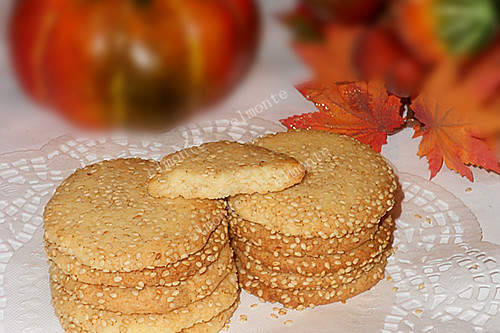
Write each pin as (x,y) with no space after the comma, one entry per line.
(70,310)
(320,266)
(257,235)
(220,169)
(196,263)
(214,325)
(274,279)
(104,217)
(299,298)
(347,186)
(148,299)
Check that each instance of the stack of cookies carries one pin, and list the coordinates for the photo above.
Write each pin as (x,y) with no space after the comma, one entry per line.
(140,246)
(124,261)
(325,239)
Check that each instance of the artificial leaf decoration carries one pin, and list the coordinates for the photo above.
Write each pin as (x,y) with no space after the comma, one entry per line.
(361,110)
(433,65)
(332,59)
(450,130)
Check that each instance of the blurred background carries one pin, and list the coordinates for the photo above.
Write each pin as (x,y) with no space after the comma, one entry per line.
(271,66)
(151,64)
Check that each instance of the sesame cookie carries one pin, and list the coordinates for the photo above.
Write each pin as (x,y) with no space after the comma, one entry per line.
(258,235)
(280,280)
(104,217)
(70,309)
(196,263)
(147,299)
(320,266)
(220,169)
(214,325)
(300,298)
(347,186)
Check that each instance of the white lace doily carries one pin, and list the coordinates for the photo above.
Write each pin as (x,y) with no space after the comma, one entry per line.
(443,278)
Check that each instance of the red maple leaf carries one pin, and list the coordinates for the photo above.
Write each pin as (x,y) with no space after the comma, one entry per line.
(361,110)
(452,125)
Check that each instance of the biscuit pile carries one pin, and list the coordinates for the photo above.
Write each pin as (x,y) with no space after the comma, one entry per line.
(123,261)
(325,239)
(141,246)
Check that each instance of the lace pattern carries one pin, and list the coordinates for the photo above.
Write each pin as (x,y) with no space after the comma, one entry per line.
(442,277)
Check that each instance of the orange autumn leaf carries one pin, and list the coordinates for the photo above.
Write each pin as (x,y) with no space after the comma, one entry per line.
(453,127)
(332,59)
(361,110)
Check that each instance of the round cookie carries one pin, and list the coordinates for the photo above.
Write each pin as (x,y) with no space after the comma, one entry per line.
(258,235)
(347,186)
(299,298)
(171,274)
(214,325)
(104,217)
(275,279)
(147,299)
(220,169)
(320,266)
(70,309)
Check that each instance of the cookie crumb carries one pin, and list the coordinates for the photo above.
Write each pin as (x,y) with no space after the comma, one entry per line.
(428,220)
(468,189)
(421,286)
(276,309)
(475,266)
(282,312)
(288,322)
(395,288)
(389,278)
(418,311)
(418,216)
(274,315)
(254,305)
(243,318)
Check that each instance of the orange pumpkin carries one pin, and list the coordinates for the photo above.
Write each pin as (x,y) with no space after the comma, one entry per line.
(130,62)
